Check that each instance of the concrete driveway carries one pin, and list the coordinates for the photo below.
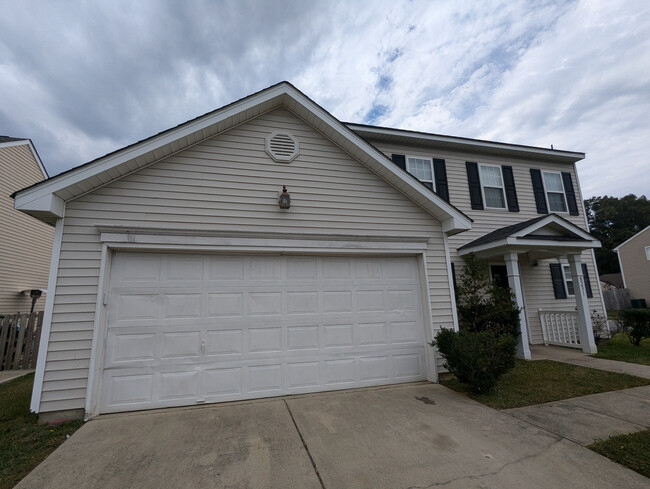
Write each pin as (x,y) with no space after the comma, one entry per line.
(408,436)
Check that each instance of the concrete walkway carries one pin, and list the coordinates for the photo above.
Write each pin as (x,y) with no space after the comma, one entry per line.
(9,375)
(397,437)
(577,357)
(598,416)
(586,419)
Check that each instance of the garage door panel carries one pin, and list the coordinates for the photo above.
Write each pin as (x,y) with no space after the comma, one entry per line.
(225,304)
(179,385)
(224,342)
(217,328)
(130,347)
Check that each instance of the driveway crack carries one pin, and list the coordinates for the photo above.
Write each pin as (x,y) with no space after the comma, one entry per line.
(304,444)
(495,472)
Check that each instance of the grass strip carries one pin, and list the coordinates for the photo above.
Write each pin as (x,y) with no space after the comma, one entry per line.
(23,442)
(620,348)
(540,381)
(632,451)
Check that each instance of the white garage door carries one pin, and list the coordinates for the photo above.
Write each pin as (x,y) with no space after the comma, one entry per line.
(186,329)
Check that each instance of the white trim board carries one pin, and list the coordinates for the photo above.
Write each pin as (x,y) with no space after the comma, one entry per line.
(47,319)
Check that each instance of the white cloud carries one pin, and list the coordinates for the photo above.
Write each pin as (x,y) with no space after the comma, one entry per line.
(86,79)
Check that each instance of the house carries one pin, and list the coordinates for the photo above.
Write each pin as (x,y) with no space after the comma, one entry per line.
(634,259)
(26,243)
(267,248)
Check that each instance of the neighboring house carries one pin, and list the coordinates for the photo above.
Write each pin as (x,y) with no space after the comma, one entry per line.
(179,279)
(634,258)
(26,244)
(613,280)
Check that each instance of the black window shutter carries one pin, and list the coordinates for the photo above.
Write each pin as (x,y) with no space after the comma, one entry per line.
(453,274)
(440,172)
(585,274)
(570,194)
(538,190)
(475,195)
(400,160)
(511,190)
(558,281)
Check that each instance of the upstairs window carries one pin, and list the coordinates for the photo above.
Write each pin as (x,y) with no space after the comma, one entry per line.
(554,191)
(492,183)
(422,169)
(647,252)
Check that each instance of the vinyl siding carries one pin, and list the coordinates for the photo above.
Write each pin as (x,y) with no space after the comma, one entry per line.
(537,285)
(27,243)
(225,183)
(636,266)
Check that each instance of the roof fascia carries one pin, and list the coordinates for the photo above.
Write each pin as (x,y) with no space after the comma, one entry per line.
(476,144)
(630,239)
(512,244)
(121,156)
(454,221)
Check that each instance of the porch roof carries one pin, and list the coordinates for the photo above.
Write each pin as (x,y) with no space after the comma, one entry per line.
(544,236)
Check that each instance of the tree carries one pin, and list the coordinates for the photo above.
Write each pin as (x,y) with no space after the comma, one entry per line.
(488,317)
(612,221)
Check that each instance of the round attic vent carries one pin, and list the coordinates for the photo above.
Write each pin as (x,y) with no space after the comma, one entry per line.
(282,146)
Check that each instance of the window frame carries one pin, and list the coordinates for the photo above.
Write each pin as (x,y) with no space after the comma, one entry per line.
(568,291)
(546,192)
(647,253)
(483,186)
(433,173)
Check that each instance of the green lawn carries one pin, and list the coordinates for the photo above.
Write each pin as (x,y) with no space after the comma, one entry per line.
(632,451)
(540,381)
(23,442)
(620,348)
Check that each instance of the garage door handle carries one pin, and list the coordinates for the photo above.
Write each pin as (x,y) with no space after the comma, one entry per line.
(202,346)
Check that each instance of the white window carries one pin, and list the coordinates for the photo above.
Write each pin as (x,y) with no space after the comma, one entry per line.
(647,253)
(554,191)
(568,279)
(492,183)
(422,169)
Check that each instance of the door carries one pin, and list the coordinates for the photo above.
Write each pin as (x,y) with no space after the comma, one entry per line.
(187,328)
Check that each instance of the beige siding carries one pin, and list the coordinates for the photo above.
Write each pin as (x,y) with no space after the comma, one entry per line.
(538,289)
(26,242)
(636,265)
(226,183)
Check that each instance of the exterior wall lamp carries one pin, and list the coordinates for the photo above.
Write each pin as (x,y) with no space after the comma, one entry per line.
(285,199)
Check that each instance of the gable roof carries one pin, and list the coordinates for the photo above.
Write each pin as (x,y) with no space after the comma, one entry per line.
(46,200)
(456,143)
(631,238)
(549,231)
(7,141)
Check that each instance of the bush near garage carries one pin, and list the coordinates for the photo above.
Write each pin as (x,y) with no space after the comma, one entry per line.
(485,346)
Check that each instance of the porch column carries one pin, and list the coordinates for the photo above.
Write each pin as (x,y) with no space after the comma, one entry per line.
(514,281)
(582,305)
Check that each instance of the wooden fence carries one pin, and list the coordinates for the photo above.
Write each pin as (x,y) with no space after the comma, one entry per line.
(616,299)
(20,335)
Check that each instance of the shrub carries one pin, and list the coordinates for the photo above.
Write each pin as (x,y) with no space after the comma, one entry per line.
(477,359)
(635,323)
(481,304)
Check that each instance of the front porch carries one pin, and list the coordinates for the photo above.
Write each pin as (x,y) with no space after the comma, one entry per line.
(518,250)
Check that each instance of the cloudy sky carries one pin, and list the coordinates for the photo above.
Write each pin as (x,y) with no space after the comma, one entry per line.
(84,78)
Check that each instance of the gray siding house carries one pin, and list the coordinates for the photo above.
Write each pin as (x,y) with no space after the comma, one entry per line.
(26,244)
(181,274)
(634,259)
